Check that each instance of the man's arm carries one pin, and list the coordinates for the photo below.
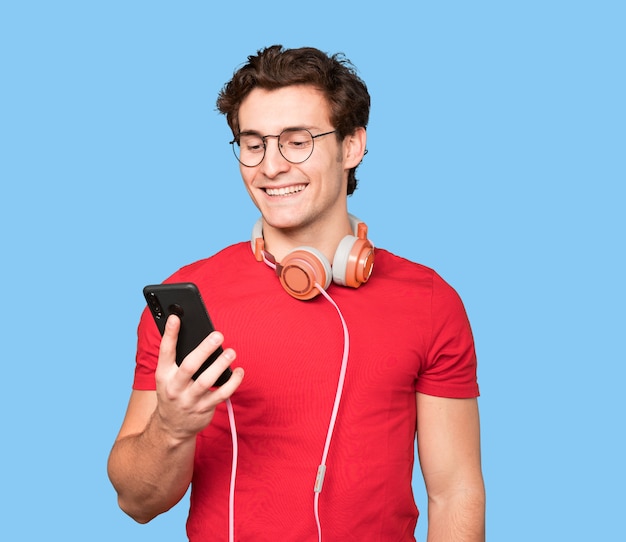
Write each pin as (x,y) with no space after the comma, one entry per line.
(448,440)
(151,463)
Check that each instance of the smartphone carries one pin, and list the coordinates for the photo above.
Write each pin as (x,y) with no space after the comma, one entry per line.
(183,299)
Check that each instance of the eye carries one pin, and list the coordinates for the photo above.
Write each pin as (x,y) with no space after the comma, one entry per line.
(251,144)
(296,139)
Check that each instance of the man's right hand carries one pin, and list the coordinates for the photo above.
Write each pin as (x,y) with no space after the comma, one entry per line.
(186,406)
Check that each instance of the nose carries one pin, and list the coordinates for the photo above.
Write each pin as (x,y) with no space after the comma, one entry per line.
(274,162)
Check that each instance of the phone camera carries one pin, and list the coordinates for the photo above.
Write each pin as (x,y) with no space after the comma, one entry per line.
(155,306)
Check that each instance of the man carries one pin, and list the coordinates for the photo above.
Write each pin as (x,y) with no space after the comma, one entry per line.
(340,376)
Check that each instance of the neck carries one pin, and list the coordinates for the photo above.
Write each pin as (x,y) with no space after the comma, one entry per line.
(324,237)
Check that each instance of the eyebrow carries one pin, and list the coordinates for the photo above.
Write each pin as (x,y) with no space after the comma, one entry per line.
(256,132)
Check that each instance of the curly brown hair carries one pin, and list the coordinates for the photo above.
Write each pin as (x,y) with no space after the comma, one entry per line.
(276,67)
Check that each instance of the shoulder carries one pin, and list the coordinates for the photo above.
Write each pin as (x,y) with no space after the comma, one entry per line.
(227,258)
(415,282)
(392,267)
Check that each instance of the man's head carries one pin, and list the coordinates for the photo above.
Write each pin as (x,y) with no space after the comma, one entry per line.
(275,67)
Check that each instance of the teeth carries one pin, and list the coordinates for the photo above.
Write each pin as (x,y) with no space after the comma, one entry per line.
(284,191)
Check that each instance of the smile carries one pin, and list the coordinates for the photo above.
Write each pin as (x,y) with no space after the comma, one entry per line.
(286,191)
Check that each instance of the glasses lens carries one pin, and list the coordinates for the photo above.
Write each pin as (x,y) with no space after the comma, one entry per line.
(249,150)
(296,145)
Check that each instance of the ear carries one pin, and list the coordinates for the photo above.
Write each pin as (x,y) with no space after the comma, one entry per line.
(354,148)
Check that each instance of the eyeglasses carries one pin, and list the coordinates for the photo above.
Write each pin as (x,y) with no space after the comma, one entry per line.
(294,144)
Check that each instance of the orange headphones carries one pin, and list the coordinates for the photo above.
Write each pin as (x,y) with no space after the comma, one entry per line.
(304,267)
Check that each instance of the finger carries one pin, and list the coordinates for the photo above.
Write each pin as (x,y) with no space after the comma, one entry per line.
(167,349)
(228,388)
(210,375)
(194,360)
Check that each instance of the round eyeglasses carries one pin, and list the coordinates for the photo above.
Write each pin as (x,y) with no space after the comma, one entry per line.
(294,144)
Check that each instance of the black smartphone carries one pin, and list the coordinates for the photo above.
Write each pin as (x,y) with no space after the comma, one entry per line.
(183,299)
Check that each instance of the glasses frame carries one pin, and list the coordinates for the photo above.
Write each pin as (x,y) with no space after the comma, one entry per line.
(264,139)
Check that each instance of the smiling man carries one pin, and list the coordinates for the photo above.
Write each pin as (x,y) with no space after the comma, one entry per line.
(347,362)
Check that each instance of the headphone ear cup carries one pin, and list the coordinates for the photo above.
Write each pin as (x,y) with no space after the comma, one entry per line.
(353,261)
(300,269)
(257,243)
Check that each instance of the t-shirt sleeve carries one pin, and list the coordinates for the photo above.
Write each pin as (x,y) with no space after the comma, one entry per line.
(148,342)
(450,367)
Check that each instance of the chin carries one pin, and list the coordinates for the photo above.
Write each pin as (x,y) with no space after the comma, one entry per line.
(283,221)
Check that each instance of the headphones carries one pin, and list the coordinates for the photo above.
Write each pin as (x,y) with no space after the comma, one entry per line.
(304,267)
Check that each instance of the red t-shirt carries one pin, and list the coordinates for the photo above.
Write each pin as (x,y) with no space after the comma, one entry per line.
(408,333)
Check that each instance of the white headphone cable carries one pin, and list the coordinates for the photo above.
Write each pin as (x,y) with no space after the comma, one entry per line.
(321,471)
(233,472)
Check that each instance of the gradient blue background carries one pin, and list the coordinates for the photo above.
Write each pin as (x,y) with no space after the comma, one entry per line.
(497,156)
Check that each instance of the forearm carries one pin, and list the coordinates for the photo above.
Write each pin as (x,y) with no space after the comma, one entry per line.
(458,518)
(150,471)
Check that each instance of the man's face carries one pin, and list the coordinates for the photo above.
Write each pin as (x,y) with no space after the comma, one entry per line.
(294,195)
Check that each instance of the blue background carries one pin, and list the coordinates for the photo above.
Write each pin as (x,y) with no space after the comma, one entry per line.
(496,156)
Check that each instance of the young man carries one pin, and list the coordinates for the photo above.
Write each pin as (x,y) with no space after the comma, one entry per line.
(345,379)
